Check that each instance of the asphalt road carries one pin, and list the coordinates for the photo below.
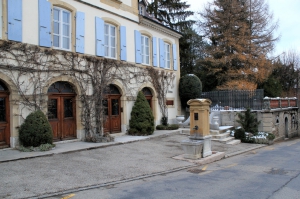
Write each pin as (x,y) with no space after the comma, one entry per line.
(270,172)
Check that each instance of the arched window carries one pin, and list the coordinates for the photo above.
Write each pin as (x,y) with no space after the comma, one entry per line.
(61,87)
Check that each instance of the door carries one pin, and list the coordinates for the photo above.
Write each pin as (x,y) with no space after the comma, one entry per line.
(112,112)
(4,120)
(62,116)
(62,110)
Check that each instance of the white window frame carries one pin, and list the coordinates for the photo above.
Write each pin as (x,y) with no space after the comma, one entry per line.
(61,29)
(108,39)
(167,56)
(145,50)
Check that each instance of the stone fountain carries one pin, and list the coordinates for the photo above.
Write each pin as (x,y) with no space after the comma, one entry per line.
(199,143)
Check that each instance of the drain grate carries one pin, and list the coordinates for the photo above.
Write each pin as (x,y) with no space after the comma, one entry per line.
(195,170)
(277,172)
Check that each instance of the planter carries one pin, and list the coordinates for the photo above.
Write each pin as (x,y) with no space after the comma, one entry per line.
(180,118)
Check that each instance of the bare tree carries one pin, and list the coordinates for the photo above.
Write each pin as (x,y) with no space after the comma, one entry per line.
(241,34)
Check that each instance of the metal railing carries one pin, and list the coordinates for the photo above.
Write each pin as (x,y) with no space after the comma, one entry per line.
(235,99)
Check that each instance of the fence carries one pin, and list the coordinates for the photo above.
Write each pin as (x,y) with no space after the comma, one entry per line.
(235,99)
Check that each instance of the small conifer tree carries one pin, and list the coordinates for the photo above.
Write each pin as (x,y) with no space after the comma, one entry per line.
(248,121)
(35,130)
(142,120)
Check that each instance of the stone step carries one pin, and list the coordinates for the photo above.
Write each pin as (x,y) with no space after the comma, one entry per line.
(234,142)
(226,140)
(220,136)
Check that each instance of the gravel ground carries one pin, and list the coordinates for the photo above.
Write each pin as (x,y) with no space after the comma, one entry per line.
(49,174)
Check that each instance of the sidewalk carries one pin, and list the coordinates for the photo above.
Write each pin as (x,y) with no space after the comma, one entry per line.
(69,146)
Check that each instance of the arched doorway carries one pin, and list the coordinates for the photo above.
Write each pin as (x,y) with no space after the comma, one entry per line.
(286,128)
(62,110)
(112,109)
(148,94)
(4,116)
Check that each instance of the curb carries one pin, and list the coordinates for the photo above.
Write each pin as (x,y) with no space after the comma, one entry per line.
(244,151)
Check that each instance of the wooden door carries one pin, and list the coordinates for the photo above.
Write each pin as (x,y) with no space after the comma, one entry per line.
(112,112)
(4,120)
(62,116)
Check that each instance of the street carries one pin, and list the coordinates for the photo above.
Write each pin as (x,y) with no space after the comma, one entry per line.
(269,172)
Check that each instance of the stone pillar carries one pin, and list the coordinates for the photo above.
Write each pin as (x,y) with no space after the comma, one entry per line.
(199,123)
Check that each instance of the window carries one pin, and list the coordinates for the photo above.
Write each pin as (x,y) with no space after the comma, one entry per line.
(109,41)
(145,49)
(61,28)
(167,55)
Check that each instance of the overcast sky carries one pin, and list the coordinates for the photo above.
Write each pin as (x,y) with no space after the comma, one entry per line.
(287,12)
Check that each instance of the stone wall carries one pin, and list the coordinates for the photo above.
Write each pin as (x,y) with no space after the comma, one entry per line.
(283,123)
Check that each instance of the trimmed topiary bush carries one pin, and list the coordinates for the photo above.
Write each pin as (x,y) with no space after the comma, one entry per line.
(35,130)
(167,127)
(190,87)
(142,120)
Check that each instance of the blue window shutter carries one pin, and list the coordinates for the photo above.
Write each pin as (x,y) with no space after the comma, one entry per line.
(138,47)
(161,53)
(80,32)
(174,57)
(154,49)
(99,37)
(14,18)
(123,43)
(44,23)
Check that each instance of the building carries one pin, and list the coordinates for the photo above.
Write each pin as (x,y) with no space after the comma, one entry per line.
(49,49)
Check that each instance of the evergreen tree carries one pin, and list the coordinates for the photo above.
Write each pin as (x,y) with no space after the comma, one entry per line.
(171,13)
(190,87)
(142,120)
(240,33)
(248,121)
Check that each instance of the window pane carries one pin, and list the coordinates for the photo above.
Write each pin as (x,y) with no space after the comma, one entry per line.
(114,107)
(2,110)
(56,14)
(52,109)
(112,30)
(66,30)
(66,43)
(113,42)
(113,52)
(68,108)
(66,17)
(146,41)
(147,59)
(56,28)
(55,41)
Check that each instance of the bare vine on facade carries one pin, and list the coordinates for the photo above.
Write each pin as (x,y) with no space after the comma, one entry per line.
(31,69)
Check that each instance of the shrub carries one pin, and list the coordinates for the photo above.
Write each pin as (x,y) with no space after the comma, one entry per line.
(35,130)
(190,87)
(142,120)
(248,121)
(173,127)
(161,127)
(270,136)
(239,133)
